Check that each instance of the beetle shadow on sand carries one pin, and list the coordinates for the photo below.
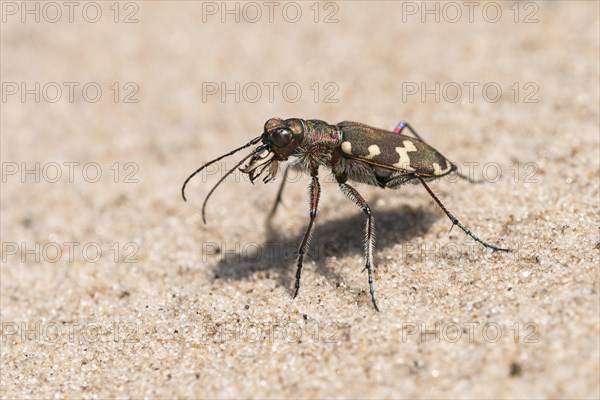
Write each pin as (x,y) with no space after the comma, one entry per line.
(332,240)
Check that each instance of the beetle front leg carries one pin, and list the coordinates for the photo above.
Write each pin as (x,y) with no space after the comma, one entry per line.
(278,199)
(279,193)
(314,192)
(353,195)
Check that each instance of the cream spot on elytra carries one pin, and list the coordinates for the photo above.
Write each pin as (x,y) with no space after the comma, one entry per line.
(404,161)
(437,170)
(373,151)
(347,147)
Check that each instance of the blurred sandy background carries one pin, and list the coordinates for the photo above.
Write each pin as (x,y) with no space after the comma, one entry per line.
(174,308)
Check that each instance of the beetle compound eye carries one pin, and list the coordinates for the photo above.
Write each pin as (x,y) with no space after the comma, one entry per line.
(281,137)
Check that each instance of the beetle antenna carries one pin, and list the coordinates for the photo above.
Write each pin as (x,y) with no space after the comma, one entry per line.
(250,143)
(256,151)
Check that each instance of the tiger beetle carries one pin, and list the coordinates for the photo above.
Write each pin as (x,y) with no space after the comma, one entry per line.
(353,152)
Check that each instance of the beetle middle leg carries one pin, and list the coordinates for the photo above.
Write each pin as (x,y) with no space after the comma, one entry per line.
(314,193)
(356,197)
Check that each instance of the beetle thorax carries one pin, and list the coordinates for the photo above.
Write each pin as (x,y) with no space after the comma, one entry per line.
(322,135)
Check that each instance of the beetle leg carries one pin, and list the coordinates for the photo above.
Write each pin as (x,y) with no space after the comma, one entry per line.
(455,220)
(278,199)
(314,192)
(403,124)
(353,195)
(279,193)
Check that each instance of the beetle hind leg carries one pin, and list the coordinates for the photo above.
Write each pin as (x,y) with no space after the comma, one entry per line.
(455,220)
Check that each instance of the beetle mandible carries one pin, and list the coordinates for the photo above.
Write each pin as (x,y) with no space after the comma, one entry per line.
(353,152)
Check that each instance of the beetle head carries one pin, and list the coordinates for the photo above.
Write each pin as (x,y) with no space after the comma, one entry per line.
(281,139)
(283,136)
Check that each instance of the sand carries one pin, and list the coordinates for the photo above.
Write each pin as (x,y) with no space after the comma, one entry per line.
(111,285)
